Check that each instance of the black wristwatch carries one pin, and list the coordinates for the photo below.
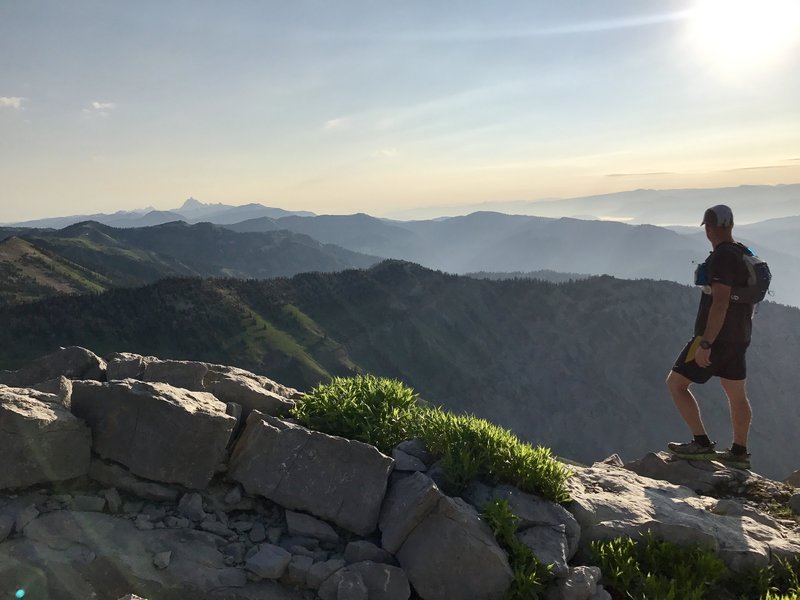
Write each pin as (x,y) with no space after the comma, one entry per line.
(705,344)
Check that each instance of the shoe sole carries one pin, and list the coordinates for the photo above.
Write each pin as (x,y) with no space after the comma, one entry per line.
(704,456)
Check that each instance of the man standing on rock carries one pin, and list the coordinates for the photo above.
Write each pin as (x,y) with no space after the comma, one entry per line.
(721,336)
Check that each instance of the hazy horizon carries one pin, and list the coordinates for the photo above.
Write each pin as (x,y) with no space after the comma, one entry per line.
(381,108)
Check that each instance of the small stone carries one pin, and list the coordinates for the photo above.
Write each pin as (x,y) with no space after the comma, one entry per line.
(415,448)
(156,513)
(241,526)
(301,551)
(113,500)
(236,550)
(161,560)
(216,528)
(300,524)
(297,571)
(177,522)
(258,534)
(88,503)
(269,561)
(62,498)
(406,462)
(234,496)
(274,534)
(191,506)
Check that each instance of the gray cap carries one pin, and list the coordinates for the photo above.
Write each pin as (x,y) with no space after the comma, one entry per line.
(718,216)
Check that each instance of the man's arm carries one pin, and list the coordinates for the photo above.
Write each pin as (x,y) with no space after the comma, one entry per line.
(721,299)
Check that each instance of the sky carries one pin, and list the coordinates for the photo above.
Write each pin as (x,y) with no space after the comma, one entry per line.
(380,107)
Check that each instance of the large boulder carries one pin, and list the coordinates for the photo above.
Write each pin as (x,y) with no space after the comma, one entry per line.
(610,502)
(40,440)
(229,384)
(157,431)
(339,480)
(794,479)
(443,546)
(702,476)
(73,362)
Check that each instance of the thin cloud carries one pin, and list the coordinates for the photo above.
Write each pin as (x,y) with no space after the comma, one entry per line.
(14,102)
(100,109)
(385,153)
(757,168)
(339,123)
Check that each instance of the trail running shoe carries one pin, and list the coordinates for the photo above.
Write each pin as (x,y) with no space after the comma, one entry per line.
(737,461)
(694,450)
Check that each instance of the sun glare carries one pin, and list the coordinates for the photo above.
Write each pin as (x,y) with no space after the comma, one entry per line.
(740,34)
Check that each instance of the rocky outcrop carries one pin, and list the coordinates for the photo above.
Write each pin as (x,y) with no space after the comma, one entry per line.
(40,440)
(441,543)
(611,501)
(144,487)
(339,480)
(229,384)
(157,431)
(73,362)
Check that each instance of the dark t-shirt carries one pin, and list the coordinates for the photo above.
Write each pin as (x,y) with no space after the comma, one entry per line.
(725,265)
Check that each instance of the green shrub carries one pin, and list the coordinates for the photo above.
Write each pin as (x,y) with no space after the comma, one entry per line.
(384,412)
(651,569)
(365,408)
(530,575)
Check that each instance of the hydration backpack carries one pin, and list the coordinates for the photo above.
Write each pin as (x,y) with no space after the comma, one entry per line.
(758,280)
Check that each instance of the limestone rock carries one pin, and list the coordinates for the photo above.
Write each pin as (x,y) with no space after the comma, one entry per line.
(60,388)
(609,502)
(362,550)
(549,545)
(580,584)
(73,362)
(699,475)
(417,449)
(339,480)
(40,440)
(116,476)
(307,526)
(407,462)
(380,581)
(157,431)
(445,549)
(269,561)
(794,503)
(248,393)
(191,506)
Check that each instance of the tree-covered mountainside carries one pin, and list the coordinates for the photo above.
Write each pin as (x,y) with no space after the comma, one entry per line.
(577,366)
(29,273)
(128,257)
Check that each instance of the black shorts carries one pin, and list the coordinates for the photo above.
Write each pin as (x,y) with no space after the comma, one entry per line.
(727,361)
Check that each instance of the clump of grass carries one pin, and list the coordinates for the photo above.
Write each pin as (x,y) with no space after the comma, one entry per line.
(653,569)
(384,412)
(530,575)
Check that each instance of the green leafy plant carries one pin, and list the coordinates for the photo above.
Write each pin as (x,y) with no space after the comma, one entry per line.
(384,412)
(530,575)
(651,569)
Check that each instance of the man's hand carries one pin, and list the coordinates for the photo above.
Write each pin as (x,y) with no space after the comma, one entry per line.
(703,357)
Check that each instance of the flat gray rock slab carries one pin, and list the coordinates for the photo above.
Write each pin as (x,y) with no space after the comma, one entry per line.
(40,440)
(303,525)
(335,479)
(157,431)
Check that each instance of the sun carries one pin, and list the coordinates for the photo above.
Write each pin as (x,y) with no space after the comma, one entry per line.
(735,35)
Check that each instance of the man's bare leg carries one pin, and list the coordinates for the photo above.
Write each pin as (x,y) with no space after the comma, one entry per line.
(741,413)
(685,402)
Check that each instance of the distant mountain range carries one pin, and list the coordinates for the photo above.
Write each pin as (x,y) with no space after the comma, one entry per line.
(192,211)
(578,366)
(480,242)
(92,257)
(750,203)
